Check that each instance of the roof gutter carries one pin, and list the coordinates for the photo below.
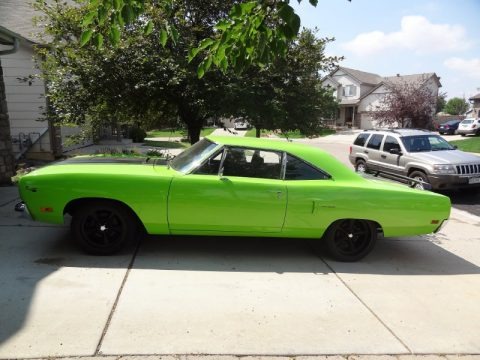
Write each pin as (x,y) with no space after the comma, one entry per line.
(8,38)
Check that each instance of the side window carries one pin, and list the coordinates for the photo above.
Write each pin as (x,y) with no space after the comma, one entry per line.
(390,143)
(299,170)
(361,139)
(252,163)
(211,166)
(375,141)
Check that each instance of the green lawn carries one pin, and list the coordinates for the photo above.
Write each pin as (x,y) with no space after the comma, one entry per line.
(177,133)
(167,144)
(471,144)
(291,134)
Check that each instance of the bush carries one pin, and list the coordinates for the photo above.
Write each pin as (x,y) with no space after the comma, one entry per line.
(137,134)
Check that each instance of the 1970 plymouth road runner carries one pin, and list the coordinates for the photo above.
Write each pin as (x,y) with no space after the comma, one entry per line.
(229,186)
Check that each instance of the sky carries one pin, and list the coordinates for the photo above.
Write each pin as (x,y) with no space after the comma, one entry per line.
(390,37)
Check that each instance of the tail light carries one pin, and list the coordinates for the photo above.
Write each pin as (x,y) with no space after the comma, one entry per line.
(447,127)
(474,126)
(350,149)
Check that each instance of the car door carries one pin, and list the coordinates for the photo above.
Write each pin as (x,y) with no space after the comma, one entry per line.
(237,190)
(373,152)
(391,162)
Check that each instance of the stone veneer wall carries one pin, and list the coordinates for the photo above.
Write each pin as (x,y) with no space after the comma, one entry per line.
(7,160)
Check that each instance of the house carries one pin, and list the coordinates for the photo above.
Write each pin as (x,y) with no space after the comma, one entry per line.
(31,136)
(359,93)
(475,110)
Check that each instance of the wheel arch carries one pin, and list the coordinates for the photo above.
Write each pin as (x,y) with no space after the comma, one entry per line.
(74,204)
(375,223)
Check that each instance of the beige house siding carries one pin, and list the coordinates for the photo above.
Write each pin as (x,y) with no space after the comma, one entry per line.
(26,102)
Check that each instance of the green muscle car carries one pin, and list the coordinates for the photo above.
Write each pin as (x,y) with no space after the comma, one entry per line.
(229,186)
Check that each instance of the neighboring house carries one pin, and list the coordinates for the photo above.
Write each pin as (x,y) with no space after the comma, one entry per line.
(475,110)
(26,100)
(359,93)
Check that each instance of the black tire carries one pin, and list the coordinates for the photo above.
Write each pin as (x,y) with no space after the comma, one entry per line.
(361,166)
(462,134)
(350,239)
(103,227)
(419,175)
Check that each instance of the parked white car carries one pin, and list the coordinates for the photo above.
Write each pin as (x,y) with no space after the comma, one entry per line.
(469,126)
(241,125)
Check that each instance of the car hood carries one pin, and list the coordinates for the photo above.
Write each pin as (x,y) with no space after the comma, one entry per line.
(446,157)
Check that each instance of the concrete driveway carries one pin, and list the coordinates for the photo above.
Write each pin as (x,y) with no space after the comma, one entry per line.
(236,296)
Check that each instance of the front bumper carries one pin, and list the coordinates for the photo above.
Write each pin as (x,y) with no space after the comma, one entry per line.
(440,182)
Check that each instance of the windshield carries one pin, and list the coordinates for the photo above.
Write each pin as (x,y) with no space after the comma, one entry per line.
(420,143)
(193,156)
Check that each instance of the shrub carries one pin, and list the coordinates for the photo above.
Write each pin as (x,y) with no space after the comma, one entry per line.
(137,134)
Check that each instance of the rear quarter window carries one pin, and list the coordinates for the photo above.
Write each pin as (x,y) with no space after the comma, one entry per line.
(361,139)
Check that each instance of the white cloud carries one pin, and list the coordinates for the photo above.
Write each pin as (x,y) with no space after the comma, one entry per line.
(416,34)
(470,68)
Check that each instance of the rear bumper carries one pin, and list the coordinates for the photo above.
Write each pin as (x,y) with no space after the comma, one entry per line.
(467,132)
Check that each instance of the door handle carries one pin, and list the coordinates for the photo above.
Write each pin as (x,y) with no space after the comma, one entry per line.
(365,151)
(383,156)
(278,192)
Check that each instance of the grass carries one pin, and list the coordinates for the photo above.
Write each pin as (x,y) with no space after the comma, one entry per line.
(177,133)
(166,144)
(470,145)
(296,134)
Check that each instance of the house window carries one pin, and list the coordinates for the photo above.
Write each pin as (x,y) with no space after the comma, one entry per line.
(349,90)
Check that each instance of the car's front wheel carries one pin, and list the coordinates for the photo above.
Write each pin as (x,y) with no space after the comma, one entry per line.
(419,176)
(103,227)
(350,239)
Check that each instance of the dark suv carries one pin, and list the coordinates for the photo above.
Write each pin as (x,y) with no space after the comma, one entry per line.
(418,154)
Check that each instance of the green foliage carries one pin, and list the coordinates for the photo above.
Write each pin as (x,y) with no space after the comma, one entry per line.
(166,144)
(142,82)
(137,134)
(441,101)
(251,32)
(287,95)
(456,106)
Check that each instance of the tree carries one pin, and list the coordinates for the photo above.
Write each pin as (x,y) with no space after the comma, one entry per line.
(406,104)
(141,81)
(288,95)
(441,101)
(456,106)
(137,81)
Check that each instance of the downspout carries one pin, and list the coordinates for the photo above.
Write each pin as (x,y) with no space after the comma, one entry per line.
(12,50)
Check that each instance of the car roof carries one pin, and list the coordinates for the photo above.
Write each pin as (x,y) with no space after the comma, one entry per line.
(313,155)
(401,132)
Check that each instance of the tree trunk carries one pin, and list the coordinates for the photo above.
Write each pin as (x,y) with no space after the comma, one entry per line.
(193,121)
(7,159)
(258,132)
(194,129)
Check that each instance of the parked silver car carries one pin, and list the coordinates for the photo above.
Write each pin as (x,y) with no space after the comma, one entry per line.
(418,154)
(469,126)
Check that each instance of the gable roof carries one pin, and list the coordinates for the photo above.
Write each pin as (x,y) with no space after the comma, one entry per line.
(362,76)
(475,97)
(16,16)
(414,78)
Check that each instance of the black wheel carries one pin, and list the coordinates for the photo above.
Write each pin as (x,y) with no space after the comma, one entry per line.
(419,175)
(103,227)
(361,166)
(350,240)
(462,134)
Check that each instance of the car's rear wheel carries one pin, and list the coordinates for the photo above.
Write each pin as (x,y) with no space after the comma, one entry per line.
(360,166)
(350,239)
(462,134)
(103,227)
(419,176)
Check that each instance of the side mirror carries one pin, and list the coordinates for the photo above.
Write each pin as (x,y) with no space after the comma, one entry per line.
(395,151)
